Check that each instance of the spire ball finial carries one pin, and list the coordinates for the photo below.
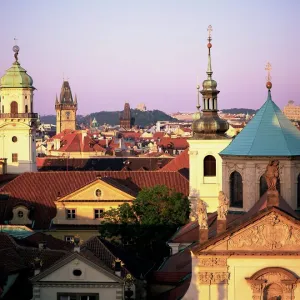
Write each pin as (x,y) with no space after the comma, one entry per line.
(16,49)
(268,68)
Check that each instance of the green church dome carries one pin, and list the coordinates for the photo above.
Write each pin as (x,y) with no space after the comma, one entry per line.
(16,77)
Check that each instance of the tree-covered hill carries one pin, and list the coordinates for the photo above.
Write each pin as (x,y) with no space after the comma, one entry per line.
(142,118)
(239,111)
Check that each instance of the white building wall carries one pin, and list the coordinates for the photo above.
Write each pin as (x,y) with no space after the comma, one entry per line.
(19,127)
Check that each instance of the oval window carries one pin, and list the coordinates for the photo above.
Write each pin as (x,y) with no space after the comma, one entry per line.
(14,139)
(20,214)
(77,272)
(98,193)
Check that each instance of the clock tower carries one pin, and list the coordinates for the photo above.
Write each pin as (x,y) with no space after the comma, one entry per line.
(66,109)
(17,119)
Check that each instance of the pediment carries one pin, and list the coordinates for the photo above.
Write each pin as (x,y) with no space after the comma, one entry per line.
(77,268)
(98,190)
(273,232)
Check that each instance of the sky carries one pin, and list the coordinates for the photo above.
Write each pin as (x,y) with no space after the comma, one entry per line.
(152,51)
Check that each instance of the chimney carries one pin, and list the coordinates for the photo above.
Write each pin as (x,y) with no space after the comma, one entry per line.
(76,244)
(118,265)
(37,266)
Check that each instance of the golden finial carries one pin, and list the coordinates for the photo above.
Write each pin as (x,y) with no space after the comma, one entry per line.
(268,68)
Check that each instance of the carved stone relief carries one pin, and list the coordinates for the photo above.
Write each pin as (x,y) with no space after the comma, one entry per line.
(213,261)
(272,233)
(213,277)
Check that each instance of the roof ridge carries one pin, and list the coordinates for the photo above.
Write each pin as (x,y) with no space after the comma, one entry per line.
(287,144)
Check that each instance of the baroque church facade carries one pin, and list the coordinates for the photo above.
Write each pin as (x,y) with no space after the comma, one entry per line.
(246,245)
(17,120)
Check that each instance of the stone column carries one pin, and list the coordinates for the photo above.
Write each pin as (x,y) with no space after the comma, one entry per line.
(249,186)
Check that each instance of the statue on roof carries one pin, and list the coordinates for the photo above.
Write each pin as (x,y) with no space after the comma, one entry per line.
(223,206)
(202,214)
(272,174)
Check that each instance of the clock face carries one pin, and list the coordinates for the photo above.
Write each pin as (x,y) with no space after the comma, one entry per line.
(67,114)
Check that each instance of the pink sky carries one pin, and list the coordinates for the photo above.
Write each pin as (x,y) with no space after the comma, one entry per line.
(153,51)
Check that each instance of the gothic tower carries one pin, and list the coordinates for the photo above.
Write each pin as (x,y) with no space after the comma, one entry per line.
(209,138)
(66,109)
(17,119)
(125,119)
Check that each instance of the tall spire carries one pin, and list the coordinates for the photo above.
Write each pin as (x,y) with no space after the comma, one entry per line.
(209,125)
(209,71)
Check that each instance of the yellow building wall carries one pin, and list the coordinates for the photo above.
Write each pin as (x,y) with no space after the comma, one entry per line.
(207,188)
(243,267)
(84,208)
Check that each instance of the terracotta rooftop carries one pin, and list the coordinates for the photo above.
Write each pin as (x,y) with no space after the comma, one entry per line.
(38,191)
(180,162)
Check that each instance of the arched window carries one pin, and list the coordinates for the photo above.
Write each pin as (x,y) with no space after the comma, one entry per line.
(14,107)
(263,187)
(298,190)
(26,108)
(209,166)
(236,190)
(273,291)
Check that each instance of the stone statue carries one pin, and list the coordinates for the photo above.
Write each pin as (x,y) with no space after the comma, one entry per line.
(272,174)
(223,206)
(202,214)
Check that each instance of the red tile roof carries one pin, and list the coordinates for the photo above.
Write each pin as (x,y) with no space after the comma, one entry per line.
(181,161)
(178,143)
(39,190)
(78,141)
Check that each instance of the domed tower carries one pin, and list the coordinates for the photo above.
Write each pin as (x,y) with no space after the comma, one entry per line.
(209,138)
(17,119)
(66,109)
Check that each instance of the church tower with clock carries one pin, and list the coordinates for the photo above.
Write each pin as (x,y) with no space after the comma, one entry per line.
(66,109)
(17,120)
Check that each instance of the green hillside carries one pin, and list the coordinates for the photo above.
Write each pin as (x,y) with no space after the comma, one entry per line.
(142,118)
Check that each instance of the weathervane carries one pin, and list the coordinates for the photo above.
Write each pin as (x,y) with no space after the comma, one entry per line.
(16,49)
(268,68)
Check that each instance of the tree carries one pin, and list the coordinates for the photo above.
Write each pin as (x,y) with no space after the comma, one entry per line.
(146,225)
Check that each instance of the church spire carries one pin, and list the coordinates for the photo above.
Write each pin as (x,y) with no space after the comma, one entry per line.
(209,125)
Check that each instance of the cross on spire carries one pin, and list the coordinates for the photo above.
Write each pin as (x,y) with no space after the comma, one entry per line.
(209,29)
(268,68)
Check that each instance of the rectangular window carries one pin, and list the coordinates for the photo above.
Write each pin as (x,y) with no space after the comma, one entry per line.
(71,213)
(77,296)
(14,157)
(69,238)
(98,213)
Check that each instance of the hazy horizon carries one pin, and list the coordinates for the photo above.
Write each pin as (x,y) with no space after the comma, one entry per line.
(151,52)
